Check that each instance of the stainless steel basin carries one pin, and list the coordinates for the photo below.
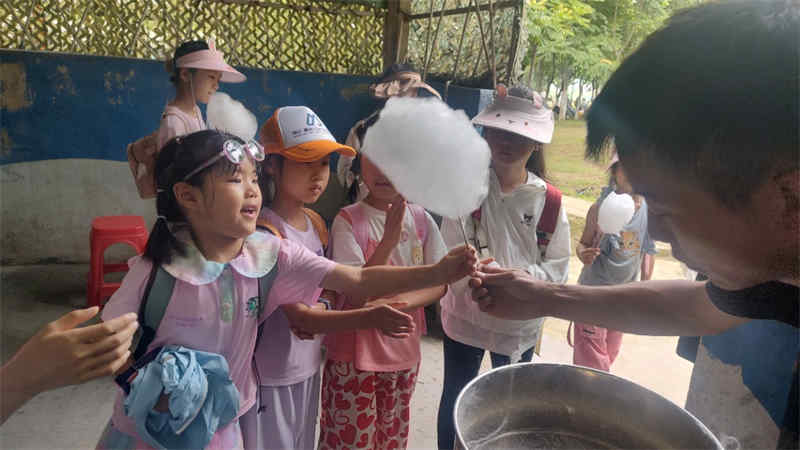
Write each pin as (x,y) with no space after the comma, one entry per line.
(559,406)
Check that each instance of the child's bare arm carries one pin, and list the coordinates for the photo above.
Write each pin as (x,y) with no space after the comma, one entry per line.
(415,299)
(316,321)
(382,281)
(391,234)
(587,249)
(648,263)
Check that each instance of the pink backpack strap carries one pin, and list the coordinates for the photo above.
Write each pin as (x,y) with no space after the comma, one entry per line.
(186,124)
(420,221)
(549,218)
(354,215)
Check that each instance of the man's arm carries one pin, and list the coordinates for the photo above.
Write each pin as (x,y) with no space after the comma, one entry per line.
(666,308)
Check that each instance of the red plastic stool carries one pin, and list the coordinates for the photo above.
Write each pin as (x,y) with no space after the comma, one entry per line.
(106,231)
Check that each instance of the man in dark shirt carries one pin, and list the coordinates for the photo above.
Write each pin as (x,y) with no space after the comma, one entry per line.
(704,117)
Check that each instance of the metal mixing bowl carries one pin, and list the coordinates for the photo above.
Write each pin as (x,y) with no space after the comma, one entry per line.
(560,406)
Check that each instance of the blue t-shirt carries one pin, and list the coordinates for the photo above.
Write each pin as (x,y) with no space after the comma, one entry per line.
(620,255)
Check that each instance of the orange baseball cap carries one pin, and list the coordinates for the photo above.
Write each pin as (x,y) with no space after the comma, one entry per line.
(297,133)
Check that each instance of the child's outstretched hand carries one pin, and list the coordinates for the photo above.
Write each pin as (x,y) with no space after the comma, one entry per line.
(391,321)
(460,262)
(394,222)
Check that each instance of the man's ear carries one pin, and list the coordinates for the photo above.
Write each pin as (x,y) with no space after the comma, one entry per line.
(788,184)
(189,197)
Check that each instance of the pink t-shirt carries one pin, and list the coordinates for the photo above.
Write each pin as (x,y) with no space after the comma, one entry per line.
(370,349)
(214,306)
(281,357)
(175,122)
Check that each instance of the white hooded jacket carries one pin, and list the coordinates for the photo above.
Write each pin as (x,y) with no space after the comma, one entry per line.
(507,232)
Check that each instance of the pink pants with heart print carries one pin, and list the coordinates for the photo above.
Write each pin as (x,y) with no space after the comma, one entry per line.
(595,347)
(363,409)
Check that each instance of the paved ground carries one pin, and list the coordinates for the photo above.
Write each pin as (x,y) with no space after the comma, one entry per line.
(73,417)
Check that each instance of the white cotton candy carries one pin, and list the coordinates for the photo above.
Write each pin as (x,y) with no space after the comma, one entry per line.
(432,154)
(229,115)
(615,211)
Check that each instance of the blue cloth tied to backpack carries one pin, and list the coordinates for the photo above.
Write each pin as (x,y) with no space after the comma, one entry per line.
(202,398)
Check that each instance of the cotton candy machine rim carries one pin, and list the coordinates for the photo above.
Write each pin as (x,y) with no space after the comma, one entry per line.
(538,405)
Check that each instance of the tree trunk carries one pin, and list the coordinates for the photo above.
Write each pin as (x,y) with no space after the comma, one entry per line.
(551,79)
(565,78)
(579,103)
(529,76)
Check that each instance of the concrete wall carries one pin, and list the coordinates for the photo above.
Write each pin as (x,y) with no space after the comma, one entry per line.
(65,121)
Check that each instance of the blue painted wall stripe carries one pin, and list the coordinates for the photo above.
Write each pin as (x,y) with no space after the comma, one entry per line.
(78,106)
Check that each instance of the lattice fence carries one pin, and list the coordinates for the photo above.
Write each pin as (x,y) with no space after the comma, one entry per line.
(470,66)
(307,35)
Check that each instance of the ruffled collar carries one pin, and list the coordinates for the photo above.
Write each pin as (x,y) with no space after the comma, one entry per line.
(258,256)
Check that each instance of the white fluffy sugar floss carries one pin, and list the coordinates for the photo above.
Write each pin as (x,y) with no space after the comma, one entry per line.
(432,154)
(226,114)
(615,211)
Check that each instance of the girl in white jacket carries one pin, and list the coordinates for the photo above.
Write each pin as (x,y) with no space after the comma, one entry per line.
(520,224)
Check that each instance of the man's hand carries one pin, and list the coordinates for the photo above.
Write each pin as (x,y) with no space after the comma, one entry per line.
(505,293)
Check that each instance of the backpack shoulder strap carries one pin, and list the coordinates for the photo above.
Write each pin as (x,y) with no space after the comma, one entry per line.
(265,225)
(264,285)
(319,226)
(354,215)
(420,221)
(186,124)
(154,303)
(549,218)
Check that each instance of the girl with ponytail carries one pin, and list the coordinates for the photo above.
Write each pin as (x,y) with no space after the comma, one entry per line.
(208,201)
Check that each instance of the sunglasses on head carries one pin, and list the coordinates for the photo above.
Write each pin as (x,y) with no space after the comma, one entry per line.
(236,152)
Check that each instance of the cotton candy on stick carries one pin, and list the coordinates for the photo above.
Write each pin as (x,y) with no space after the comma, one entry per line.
(615,211)
(228,115)
(432,154)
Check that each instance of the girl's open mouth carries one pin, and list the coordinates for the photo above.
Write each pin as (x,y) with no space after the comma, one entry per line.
(250,211)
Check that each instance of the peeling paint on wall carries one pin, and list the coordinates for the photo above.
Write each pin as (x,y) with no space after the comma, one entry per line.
(63,81)
(116,84)
(351,91)
(14,94)
(5,143)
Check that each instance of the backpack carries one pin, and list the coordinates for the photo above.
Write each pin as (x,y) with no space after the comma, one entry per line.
(142,155)
(547,221)
(157,294)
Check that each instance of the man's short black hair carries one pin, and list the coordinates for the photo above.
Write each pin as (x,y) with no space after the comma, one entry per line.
(713,94)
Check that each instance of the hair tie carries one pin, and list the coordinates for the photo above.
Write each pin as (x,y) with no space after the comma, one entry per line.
(160,217)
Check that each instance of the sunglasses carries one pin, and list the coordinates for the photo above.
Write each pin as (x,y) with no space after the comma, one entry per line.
(236,152)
